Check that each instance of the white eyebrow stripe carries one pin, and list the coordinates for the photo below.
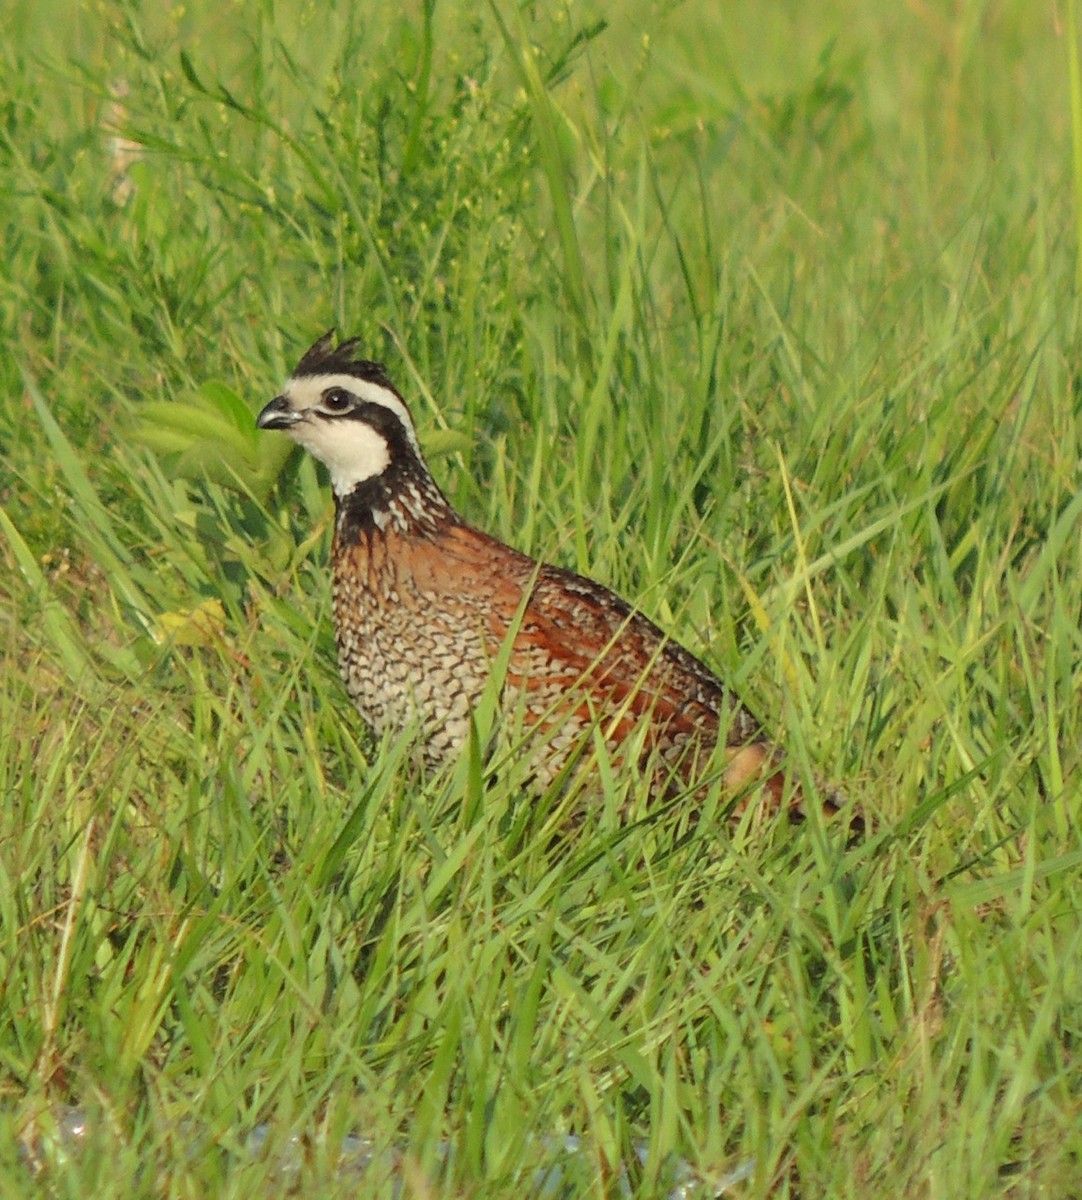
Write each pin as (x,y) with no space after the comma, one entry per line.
(308,389)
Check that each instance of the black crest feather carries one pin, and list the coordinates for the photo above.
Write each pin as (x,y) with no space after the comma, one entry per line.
(323,357)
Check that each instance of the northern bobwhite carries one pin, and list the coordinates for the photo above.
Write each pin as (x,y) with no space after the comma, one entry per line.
(424,602)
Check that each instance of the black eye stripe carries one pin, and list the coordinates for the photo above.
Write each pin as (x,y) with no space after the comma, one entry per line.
(339,403)
(384,421)
(379,416)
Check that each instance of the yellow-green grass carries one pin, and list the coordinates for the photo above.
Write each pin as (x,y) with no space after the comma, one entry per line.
(769,320)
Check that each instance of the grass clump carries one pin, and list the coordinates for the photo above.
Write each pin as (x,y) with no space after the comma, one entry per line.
(769,322)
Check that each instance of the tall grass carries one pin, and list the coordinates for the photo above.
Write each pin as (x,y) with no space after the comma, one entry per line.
(766,319)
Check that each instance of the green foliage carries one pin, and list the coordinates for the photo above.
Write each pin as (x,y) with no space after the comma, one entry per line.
(212,437)
(766,316)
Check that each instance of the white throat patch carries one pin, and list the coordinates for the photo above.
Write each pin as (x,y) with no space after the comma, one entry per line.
(351,450)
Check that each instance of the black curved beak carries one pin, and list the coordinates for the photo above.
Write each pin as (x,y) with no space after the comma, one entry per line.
(277,415)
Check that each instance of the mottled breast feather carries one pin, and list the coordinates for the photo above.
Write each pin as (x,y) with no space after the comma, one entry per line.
(421,618)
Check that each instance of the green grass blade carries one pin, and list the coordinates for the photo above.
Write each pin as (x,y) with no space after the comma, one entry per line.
(98,527)
(59,628)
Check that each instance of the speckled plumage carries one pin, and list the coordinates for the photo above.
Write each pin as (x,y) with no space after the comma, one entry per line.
(424,602)
(417,644)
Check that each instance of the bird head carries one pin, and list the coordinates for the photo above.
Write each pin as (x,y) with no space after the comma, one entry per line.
(344,410)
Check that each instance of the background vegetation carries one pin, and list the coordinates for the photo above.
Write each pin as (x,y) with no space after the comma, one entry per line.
(766,315)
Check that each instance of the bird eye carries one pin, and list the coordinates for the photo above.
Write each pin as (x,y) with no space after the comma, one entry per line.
(336,400)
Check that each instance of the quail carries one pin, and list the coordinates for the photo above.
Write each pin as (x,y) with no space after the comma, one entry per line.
(424,603)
